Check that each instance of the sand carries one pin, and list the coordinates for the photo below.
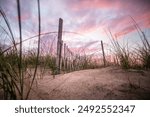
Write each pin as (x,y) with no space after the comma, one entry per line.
(94,84)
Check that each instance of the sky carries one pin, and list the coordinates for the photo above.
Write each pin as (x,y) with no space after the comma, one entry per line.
(89,19)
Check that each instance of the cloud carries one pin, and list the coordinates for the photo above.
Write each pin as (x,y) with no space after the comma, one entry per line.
(125,31)
(113,14)
(82,16)
(76,5)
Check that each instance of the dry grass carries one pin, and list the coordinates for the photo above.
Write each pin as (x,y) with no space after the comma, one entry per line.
(137,58)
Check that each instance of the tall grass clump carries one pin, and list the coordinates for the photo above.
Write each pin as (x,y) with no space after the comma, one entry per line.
(143,50)
(136,58)
(9,75)
(145,57)
(51,63)
(14,63)
(122,53)
(86,62)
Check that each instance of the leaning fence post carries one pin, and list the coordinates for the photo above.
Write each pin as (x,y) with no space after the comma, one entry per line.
(59,46)
(104,60)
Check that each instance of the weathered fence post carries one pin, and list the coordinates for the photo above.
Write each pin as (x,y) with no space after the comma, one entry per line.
(104,60)
(61,58)
(67,59)
(64,56)
(69,52)
(59,46)
(71,55)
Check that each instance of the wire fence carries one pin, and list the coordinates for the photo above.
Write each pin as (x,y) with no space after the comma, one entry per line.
(66,60)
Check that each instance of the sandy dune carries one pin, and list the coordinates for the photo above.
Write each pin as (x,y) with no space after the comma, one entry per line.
(104,83)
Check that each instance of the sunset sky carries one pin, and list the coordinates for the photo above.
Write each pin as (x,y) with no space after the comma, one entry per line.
(87,17)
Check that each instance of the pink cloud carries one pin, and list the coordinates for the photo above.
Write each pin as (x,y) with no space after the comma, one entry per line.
(125,31)
(143,21)
(83,16)
(88,4)
(117,14)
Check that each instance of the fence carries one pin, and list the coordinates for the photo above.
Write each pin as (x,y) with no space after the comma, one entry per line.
(66,60)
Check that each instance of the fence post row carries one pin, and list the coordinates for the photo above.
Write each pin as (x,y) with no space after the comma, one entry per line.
(68,59)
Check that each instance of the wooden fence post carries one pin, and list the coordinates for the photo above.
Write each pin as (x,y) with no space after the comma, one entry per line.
(61,58)
(59,46)
(69,59)
(67,63)
(64,57)
(104,60)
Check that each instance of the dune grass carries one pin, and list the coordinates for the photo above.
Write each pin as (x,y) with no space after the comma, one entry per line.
(144,50)
(13,65)
(137,58)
